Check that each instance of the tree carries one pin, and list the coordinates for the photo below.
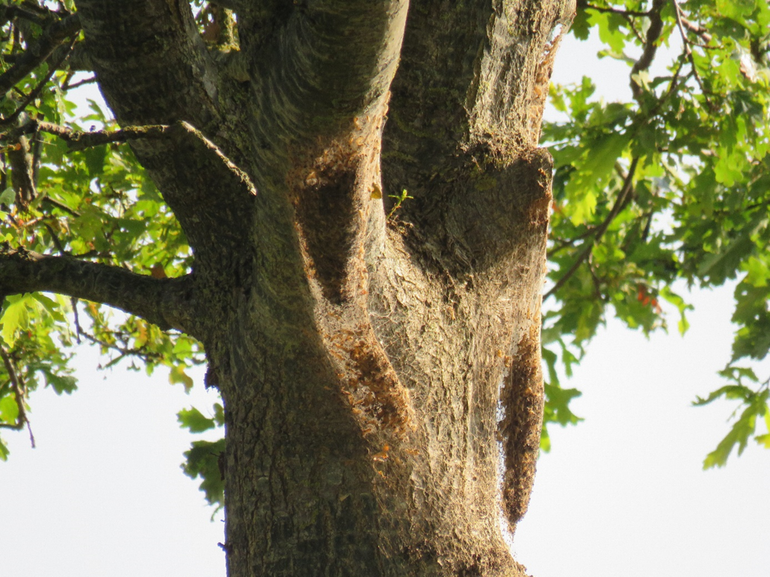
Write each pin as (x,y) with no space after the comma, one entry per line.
(368,292)
(361,343)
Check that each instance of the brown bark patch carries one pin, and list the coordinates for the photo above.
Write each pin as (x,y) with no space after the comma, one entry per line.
(325,211)
(378,400)
(522,400)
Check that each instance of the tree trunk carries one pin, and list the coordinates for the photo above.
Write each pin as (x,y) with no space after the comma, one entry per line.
(378,371)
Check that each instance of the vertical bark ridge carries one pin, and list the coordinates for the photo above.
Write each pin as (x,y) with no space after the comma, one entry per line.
(337,200)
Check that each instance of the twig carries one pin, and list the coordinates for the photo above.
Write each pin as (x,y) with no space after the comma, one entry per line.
(623,198)
(33,57)
(35,92)
(78,329)
(650,46)
(79,140)
(587,6)
(688,51)
(19,393)
(60,206)
(570,242)
(695,28)
(89,80)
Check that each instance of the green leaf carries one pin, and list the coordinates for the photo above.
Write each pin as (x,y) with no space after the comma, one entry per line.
(723,263)
(558,400)
(8,196)
(679,303)
(61,383)
(9,409)
(203,461)
(592,174)
(15,316)
(194,420)
(755,403)
(736,9)
(738,435)
(177,376)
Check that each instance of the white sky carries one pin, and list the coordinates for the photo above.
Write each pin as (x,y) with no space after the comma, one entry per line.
(620,495)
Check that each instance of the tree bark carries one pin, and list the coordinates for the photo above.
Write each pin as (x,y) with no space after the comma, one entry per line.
(377,372)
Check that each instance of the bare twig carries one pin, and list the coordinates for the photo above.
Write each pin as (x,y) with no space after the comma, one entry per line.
(692,27)
(566,243)
(89,80)
(79,140)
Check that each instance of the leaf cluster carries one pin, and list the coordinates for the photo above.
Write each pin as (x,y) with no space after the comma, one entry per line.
(670,184)
(95,204)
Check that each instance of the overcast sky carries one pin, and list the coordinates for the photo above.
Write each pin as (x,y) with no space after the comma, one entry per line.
(620,495)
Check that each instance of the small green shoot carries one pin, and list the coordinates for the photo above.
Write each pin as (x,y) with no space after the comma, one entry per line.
(400,198)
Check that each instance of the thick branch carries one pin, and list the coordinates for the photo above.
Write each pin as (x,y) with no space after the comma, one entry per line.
(467,102)
(154,69)
(211,197)
(164,302)
(333,60)
(471,80)
(150,61)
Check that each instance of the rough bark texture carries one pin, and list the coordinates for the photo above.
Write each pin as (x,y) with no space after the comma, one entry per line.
(375,372)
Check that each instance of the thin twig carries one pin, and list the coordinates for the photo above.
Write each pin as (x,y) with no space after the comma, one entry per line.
(89,80)
(624,197)
(60,206)
(587,6)
(35,92)
(566,243)
(650,46)
(19,393)
(688,51)
(33,57)
(78,330)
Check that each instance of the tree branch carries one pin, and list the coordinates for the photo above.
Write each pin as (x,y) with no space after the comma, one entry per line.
(203,187)
(584,5)
(35,92)
(477,78)
(620,204)
(52,37)
(154,69)
(339,55)
(650,46)
(152,65)
(164,302)
(234,5)
(688,52)
(19,393)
